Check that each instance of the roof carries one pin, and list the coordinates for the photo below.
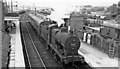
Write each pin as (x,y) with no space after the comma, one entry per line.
(112,24)
(95,28)
(11,18)
(76,14)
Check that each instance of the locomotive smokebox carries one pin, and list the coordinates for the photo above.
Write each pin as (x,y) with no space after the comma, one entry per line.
(70,43)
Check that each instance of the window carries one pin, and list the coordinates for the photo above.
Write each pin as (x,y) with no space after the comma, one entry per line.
(108,32)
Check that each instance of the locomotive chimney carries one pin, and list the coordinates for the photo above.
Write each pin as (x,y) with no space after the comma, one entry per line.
(64,29)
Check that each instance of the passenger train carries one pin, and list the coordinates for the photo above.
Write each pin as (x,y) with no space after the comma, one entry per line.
(62,44)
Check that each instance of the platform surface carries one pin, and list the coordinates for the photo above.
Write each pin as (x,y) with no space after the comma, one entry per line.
(17,57)
(97,58)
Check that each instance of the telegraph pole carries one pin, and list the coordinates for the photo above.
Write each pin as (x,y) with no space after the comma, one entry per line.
(1,23)
(35,11)
(11,6)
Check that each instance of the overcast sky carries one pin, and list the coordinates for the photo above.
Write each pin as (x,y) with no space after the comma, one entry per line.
(67,2)
(64,6)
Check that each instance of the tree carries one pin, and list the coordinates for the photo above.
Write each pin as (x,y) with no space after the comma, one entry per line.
(118,8)
(113,9)
(97,9)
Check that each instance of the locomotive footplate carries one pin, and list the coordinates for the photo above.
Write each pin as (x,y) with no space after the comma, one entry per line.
(73,59)
(67,59)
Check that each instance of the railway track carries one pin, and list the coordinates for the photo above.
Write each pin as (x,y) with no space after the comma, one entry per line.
(34,58)
(37,55)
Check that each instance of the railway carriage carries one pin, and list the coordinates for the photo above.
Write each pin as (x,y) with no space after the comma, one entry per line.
(35,21)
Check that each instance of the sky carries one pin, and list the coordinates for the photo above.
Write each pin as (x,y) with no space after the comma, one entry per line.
(63,7)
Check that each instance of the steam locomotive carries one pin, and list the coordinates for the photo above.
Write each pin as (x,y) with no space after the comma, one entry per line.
(62,44)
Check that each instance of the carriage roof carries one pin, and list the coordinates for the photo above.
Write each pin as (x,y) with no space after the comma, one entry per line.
(37,19)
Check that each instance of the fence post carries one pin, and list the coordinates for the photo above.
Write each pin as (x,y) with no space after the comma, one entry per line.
(111,48)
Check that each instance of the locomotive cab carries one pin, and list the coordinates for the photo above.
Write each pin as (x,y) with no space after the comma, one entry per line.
(50,28)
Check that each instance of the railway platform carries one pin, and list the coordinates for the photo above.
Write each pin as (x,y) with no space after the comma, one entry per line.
(16,58)
(96,58)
